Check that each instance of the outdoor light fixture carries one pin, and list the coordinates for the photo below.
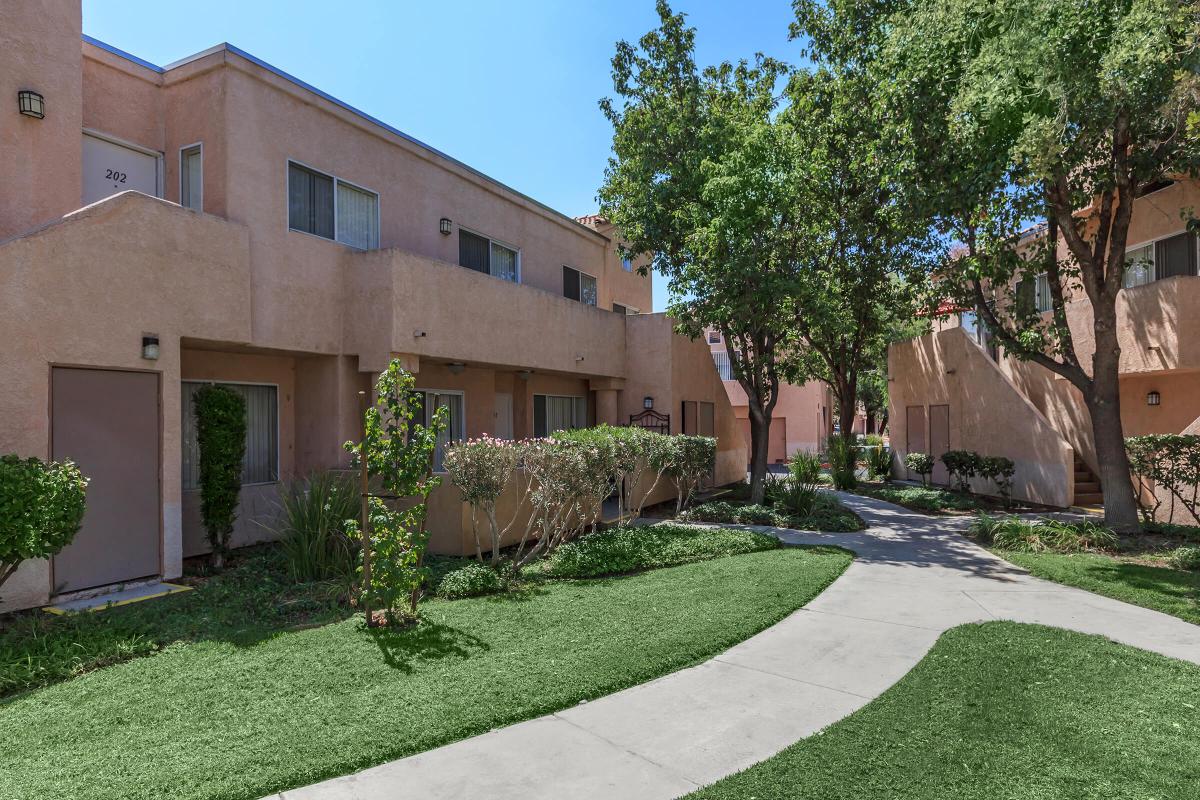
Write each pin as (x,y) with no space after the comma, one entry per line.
(578,358)
(647,402)
(1153,399)
(150,347)
(456,367)
(444,225)
(418,334)
(31,104)
(525,374)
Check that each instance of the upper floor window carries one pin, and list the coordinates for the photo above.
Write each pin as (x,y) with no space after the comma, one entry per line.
(488,256)
(627,263)
(579,286)
(1139,266)
(191,177)
(1042,299)
(714,337)
(331,208)
(1165,258)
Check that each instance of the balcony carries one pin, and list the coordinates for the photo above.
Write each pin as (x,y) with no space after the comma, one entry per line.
(399,302)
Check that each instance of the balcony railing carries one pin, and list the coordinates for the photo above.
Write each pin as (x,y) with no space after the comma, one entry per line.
(721,359)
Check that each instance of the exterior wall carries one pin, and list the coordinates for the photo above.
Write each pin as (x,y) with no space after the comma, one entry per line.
(988,414)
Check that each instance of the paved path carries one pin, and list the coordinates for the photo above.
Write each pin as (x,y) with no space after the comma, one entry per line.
(913,578)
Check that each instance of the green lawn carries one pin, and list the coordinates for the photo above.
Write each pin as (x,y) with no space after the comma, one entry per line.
(232,718)
(1002,710)
(1171,591)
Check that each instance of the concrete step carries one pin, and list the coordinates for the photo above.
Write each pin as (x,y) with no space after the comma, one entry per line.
(1086,499)
(1087,487)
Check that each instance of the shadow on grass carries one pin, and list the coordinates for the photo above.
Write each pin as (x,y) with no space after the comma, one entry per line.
(402,648)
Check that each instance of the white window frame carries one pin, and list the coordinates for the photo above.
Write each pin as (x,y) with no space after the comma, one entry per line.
(278,421)
(287,216)
(463,403)
(1042,277)
(199,146)
(580,300)
(1154,250)
(491,241)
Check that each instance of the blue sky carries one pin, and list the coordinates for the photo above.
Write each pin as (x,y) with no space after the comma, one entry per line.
(508,87)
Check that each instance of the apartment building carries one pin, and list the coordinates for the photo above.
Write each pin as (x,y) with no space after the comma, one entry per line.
(955,389)
(218,220)
(801,421)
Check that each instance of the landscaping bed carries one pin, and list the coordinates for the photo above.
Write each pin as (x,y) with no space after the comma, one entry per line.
(827,514)
(231,717)
(1001,709)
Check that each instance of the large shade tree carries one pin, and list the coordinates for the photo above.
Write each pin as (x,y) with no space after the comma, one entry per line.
(1053,111)
(698,180)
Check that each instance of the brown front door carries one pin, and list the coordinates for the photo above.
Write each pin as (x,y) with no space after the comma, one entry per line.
(914,429)
(106,421)
(939,441)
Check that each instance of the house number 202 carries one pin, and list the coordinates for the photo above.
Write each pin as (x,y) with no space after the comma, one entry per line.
(113,175)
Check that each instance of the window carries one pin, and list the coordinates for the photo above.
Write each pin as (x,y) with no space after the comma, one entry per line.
(554,413)
(430,401)
(487,256)
(261,462)
(714,337)
(1139,266)
(724,369)
(1165,258)
(191,178)
(1041,294)
(627,263)
(579,286)
(332,209)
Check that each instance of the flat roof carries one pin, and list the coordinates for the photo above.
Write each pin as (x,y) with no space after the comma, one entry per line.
(226,46)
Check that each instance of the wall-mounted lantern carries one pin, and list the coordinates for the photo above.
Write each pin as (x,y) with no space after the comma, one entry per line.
(150,347)
(444,226)
(525,374)
(31,104)
(648,402)
(456,367)
(1153,399)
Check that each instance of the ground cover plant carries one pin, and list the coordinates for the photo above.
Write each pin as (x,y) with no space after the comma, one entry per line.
(1042,535)
(1001,709)
(827,514)
(920,498)
(301,706)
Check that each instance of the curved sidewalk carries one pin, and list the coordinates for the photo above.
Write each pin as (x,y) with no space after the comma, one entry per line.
(913,579)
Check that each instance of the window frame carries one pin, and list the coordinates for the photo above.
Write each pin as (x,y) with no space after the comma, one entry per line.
(491,240)
(463,403)
(199,147)
(595,278)
(287,213)
(1153,245)
(278,426)
(1042,277)
(580,399)
(627,263)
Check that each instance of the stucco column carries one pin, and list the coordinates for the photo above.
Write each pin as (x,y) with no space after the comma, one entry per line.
(606,407)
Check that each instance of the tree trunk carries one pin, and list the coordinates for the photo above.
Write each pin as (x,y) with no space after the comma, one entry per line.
(760,437)
(846,409)
(869,416)
(1120,505)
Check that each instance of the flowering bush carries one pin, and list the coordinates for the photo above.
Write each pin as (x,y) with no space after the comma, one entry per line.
(481,468)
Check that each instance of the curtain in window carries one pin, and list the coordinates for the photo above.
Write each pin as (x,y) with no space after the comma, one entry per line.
(554,413)
(472,251)
(504,262)
(1042,297)
(261,462)
(1139,266)
(310,201)
(454,431)
(191,179)
(1175,256)
(357,217)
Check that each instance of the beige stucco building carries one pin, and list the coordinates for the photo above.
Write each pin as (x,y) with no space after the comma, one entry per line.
(217,220)
(952,389)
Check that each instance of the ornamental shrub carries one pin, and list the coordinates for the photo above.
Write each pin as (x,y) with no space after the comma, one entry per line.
(694,462)
(481,469)
(1185,558)
(399,457)
(999,470)
(41,509)
(311,526)
(843,463)
(879,462)
(472,580)
(920,463)
(1042,535)
(1169,462)
(221,435)
(962,466)
(715,511)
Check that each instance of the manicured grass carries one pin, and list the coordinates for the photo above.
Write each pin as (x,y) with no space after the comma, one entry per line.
(920,499)
(1002,710)
(230,719)
(1171,591)
(621,550)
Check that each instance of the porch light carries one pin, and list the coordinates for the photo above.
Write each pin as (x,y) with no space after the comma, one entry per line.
(150,347)
(1153,399)
(648,402)
(456,367)
(444,225)
(31,104)
(525,374)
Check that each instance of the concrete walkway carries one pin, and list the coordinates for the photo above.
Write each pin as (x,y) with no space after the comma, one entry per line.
(913,579)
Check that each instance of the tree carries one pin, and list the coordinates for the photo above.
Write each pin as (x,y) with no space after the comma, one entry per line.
(41,509)
(221,435)
(1062,111)
(695,181)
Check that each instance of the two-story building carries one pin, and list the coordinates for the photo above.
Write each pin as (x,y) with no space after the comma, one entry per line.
(218,220)
(954,389)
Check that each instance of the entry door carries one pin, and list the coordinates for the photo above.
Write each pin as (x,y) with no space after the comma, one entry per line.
(914,429)
(504,415)
(939,441)
(109,168)
(106,421)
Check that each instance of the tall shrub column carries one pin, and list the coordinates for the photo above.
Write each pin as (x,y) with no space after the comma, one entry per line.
(221,433)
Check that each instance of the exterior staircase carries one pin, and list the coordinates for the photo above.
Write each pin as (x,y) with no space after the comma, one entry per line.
(1087,486)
